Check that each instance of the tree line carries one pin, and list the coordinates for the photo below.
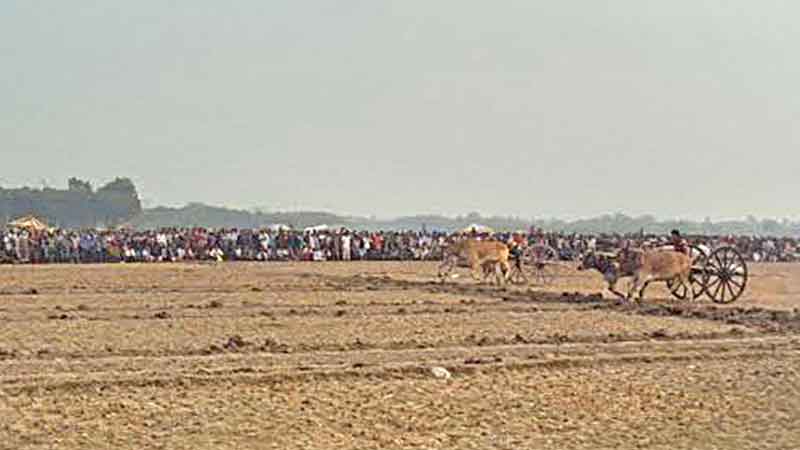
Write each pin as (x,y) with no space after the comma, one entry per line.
(203,215)
(78,206)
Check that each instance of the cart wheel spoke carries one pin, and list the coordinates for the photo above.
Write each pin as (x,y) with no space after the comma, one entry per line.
(725,260)
(732,292)
(739,285)
(713,284)
(719,264)
(735,288)
(719,285)
(678,290)
(698,286)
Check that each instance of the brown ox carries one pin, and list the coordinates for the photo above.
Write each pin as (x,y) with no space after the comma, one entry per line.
(644,266)
(478,255)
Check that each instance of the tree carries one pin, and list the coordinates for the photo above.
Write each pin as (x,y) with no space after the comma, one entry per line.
(76,185)
(117,201)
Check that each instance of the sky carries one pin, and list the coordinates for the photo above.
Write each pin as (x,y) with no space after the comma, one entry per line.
(679,109)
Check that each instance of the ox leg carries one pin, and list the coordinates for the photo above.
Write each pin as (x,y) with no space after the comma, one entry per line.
(495,269)
(612,287)
(505,267)
(489,269)
(476,267)
(687,281)
(644,287)
(502,272)
(634,288)
(446,268)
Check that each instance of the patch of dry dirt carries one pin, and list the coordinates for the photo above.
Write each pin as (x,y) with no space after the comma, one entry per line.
(340,356)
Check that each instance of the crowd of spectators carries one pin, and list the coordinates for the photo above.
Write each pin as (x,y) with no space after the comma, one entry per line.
(199,244)
(752,248)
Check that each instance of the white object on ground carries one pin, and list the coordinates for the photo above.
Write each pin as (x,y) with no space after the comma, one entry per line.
(441,373)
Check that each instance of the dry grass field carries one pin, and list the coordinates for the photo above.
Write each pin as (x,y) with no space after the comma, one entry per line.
(339,356)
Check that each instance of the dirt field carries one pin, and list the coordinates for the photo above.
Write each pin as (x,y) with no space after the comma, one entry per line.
(339,356)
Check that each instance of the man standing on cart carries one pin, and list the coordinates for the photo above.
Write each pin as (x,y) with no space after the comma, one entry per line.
(679,243)
(516,245)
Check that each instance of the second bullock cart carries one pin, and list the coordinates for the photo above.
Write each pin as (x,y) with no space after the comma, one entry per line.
(537,263)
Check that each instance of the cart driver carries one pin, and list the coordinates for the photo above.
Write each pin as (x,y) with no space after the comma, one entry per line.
(679,243)
(515,244)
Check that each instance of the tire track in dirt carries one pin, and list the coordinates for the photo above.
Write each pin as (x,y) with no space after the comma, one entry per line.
(27,376)
(756,317)
(239,346)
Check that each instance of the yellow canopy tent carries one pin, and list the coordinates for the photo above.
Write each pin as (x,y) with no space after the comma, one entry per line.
(477,228)
(29,223)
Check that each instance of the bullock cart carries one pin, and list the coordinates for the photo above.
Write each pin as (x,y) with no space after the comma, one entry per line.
(721,274)
(536,263)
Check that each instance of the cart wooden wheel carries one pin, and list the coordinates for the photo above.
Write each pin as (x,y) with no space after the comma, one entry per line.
(538,261)
(698,278)
(544,273)
(726,275)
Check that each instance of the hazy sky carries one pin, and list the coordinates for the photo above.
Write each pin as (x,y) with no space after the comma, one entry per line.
(680,108)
